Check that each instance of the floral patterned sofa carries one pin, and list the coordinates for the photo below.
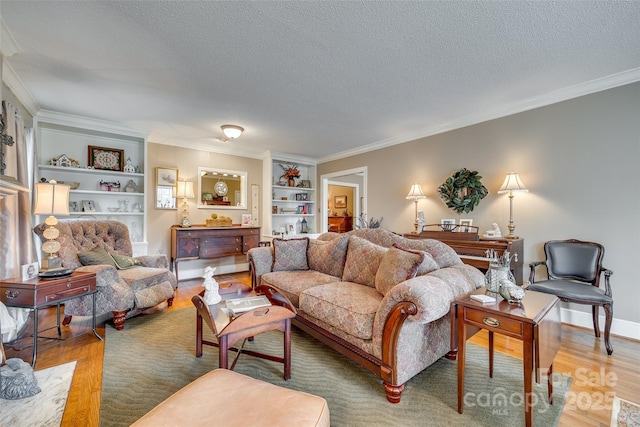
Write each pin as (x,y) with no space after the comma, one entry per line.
(125,287)
(379,298)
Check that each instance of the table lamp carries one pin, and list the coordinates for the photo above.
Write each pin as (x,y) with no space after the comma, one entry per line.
(185,190)
(51,199)
(415,193)
(512,184)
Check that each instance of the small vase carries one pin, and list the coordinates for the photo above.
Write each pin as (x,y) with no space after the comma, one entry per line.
(292,182)
(495,274)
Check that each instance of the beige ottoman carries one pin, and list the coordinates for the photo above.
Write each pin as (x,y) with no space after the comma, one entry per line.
(224,397)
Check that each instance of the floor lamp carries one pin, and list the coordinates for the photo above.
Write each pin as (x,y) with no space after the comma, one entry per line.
(415,194)
(512,184)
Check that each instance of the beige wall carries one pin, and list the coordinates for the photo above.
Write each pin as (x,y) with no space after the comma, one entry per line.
(187,161)
(579,158)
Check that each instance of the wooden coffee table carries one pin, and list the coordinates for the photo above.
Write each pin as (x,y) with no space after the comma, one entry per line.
(229,330)
(535,321)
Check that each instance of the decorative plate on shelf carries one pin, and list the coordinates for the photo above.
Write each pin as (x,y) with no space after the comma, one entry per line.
(221,188)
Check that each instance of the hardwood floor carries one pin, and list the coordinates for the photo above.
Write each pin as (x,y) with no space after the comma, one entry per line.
(596,376)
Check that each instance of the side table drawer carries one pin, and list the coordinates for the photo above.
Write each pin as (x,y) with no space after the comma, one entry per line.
(494,322)
(17,297)
(56,296)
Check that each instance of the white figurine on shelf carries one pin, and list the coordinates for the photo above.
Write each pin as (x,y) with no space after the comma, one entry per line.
(128,168)
(494,232)
(211,295)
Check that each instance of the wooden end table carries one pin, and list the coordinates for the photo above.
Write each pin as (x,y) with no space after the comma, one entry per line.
(535,321)
(40,293)
(229,330)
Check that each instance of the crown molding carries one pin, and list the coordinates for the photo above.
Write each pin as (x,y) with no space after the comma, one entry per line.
(14,83)
(564,94)
(8,44)
(206,146)
(64,119)
(290,158)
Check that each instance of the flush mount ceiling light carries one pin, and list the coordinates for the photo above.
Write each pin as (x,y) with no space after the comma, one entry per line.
(232,131)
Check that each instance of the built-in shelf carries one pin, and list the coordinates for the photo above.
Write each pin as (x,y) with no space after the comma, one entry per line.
(59,134)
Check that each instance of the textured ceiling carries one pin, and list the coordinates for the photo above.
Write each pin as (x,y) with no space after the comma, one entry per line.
(310,78)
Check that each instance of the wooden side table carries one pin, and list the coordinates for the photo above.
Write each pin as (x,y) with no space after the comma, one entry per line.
(229,330)
(39,293)
(535,321)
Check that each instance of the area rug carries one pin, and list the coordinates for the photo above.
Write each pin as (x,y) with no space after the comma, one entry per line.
(625,413)
(154,356)
(45,408)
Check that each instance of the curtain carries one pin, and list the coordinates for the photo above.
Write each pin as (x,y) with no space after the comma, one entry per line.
(20,249)
(25,155)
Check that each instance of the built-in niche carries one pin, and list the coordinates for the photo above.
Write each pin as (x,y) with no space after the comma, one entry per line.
(221,189)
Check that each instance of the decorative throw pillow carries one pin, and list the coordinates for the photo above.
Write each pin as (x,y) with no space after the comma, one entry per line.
(396,266)
(290,254)
(328,257)
(124,261)
(427,266)
(96,256)
(363,260)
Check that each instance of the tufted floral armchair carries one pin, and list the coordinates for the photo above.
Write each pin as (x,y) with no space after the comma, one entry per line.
(122,292)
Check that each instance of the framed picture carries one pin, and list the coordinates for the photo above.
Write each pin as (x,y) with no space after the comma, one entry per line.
(166,177)
(73,207)
(464,225)
(88,206)
(306,183)
(29,271)
(246,219)
(291,229)
(340,202)
(165,197)
(447,224)
(106,158)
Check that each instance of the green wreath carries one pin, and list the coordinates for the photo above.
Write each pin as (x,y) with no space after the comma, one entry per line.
(463,191)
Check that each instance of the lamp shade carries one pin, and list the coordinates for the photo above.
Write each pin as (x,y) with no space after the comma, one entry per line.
(232,131)
(185,189)
(512,184)
(416,192)
(51,199)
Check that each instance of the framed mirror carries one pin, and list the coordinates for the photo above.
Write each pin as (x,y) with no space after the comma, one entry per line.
(221,188)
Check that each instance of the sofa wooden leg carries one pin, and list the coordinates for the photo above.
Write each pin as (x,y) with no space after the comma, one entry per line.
(452,355)
(170,301)
(66,320)
(118,319)
(394,392)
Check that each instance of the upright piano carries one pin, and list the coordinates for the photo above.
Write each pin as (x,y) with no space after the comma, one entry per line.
(472,249)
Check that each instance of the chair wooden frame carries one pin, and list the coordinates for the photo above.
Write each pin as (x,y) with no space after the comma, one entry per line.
(594,281)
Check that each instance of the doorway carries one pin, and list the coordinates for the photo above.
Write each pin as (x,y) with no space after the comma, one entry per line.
(352,179)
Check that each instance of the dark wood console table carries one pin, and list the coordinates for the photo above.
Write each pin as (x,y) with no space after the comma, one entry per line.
(200,242)
(472,249)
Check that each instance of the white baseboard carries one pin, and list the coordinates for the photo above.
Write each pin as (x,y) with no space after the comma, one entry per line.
(623,328)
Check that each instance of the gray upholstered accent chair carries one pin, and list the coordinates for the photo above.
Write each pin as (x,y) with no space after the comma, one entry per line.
(124,290)
(574,269)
